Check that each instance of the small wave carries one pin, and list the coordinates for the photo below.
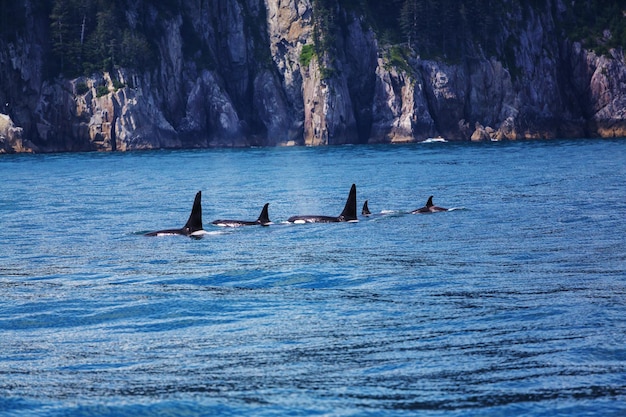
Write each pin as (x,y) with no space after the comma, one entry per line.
(392,213)
(438,139)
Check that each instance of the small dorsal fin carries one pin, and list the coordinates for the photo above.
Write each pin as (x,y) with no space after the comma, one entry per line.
(366,210)
(195,218)
(264,218)
(349,211)
(429,203)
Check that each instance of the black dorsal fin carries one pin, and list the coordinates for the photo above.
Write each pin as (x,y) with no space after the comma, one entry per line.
(349,211)
(195,218)
(264,217)
(429,203)
(366,210)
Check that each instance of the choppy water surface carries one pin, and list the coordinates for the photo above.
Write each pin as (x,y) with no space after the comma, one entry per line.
(514,303)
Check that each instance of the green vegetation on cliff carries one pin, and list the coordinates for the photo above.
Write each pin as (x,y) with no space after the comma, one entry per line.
(307,54)
(600,25)
(93,35)
(437,28)
(445,28)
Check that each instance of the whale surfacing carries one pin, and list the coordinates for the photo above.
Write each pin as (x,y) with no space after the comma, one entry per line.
(263,220)
(366,210)
(192,228)
(347,215)
(429,207)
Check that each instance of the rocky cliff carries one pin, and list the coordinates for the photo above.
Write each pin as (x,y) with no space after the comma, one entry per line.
(243,73)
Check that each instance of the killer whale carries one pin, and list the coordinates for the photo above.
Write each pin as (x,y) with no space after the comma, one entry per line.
(366,210)
(263,220)
(193,227)
(429,207)
(347,215)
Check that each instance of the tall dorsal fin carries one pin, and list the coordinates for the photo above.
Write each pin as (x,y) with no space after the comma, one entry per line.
(429,203)
(195,218)
(349,211)
(264,217)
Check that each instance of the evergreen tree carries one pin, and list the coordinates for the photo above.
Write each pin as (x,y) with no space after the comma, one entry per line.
(60,27)
(135,50)
(91,35)
(104,39)
(409,21)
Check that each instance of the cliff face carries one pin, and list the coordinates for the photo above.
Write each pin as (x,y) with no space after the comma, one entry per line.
(243,82)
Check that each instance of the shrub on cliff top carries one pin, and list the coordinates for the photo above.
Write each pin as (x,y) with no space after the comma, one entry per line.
(397,57)
(102,90)
(81,88)
(306,55)
(117,84)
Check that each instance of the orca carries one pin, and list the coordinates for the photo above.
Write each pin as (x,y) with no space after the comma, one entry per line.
(347,215)
(263,220)
(192,228)
(366,210)
(429,207)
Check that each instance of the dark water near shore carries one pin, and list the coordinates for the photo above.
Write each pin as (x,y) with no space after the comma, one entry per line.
(513,303)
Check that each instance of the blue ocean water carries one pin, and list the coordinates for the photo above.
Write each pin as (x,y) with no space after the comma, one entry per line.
(511,304)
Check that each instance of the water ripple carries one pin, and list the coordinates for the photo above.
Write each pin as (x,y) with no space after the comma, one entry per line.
(511,306)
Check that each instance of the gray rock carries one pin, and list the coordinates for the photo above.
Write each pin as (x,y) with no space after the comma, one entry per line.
(230,74)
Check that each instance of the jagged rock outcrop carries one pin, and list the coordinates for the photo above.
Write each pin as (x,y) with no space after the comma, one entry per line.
(598,85)
(231,73)
(274,112)
(11,140)
(400,111)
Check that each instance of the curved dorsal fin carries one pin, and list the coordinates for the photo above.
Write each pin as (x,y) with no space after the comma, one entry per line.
(349,211)
(195,218)
(366,210)
(264,217)
(429,203)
